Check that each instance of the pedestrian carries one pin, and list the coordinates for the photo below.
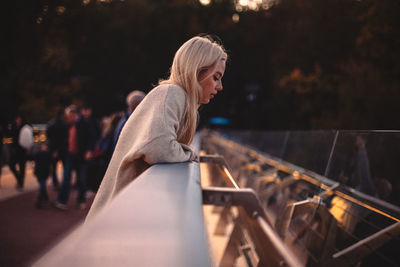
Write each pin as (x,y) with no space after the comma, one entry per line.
(92,129)
(357,173)
(92,125)
(133,99)
(103,152)
(57,139)
(77,153)
(162,126)
(1,149)
(43,161)
(18,154)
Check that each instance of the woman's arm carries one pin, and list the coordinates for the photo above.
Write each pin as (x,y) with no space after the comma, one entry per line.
(163,145)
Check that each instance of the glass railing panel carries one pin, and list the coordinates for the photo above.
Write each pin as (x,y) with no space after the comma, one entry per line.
(362,220)
(364,160)
(368,162)
(340,163)
(310,149)
(357,222)
(271,142)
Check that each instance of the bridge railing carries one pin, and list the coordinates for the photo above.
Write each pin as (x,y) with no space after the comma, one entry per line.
(323,222)
(157,220)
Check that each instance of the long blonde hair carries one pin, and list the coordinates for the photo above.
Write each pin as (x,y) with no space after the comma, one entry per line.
(195,55)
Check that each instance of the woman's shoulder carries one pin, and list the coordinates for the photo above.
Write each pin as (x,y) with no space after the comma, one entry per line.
(167,97)
(169,89)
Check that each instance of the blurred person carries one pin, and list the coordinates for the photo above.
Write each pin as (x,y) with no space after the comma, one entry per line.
(1,149)
(92,125)
(43,161)
(57,140)
(77,152)
(105,143)
(162,126)
(18,154)
(133,99)
(93,130)
(25,138)
(360,178)
(103,151)
(357,175)
(383,188)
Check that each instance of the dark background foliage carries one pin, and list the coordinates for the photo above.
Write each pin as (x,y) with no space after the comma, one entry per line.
(301,64)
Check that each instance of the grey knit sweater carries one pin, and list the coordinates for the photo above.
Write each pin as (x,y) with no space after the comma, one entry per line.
(148,137)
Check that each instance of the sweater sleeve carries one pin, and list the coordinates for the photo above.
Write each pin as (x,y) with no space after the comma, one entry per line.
(163,146)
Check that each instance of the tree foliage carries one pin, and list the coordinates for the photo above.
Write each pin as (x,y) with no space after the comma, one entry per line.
(297,65)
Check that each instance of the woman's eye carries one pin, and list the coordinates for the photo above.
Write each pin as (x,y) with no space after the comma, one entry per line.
(216,78)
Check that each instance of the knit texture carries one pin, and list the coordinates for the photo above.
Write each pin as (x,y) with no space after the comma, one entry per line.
(148,137)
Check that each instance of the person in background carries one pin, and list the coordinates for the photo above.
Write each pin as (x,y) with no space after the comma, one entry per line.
(18,155)
(103,151)
(57,140)
(91,124)
(384,188)
(360,176)
(1,149)
(93,130)
(105,145)
(162,126)
(133,99)
(43,161)
(78,151)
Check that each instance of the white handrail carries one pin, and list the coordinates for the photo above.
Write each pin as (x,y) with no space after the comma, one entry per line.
(157,220)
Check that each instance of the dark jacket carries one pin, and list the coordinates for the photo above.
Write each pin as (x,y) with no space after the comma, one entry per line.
(42,164)
(86,137)
(57,135)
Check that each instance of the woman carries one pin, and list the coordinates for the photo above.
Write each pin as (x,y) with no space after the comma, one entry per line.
(163,125)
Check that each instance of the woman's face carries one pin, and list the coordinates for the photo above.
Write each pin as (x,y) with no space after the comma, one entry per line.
(211,81)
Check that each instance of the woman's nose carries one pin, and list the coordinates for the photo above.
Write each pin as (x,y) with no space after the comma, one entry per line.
(219,86)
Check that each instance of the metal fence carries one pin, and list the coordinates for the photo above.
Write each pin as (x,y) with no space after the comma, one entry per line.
(321,220)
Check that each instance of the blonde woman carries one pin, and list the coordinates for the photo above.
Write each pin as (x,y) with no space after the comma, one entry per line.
(162,127)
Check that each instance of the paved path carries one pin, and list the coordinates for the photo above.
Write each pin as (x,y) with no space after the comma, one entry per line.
(8,182)
(25,231)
